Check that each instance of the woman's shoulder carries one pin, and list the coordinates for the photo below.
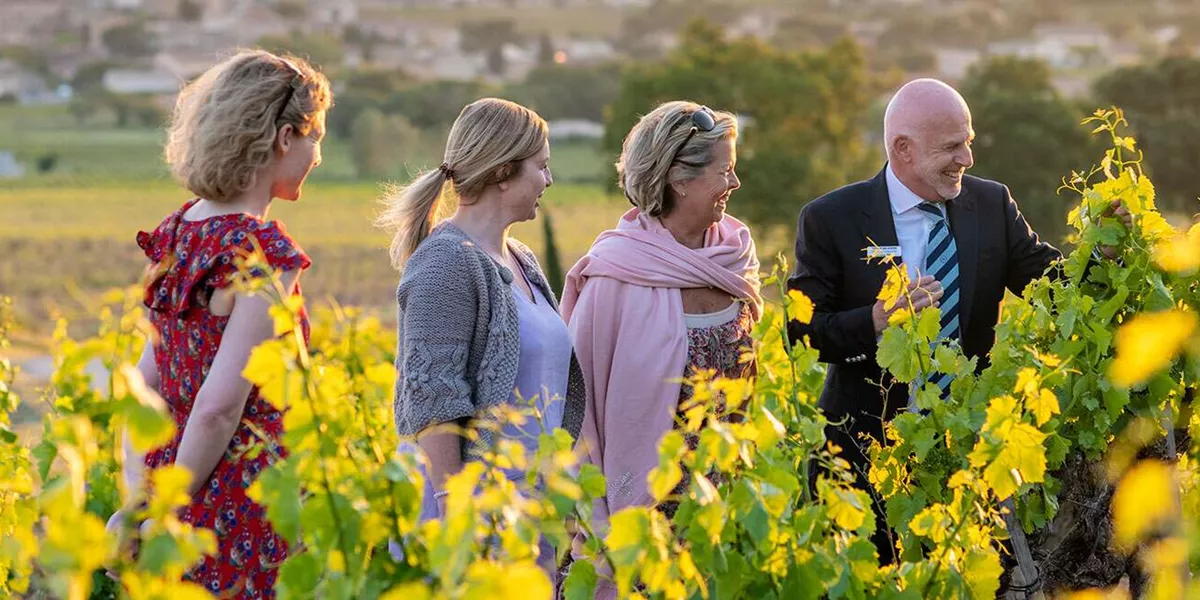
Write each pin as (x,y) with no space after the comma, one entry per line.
(448,259)
(446,247)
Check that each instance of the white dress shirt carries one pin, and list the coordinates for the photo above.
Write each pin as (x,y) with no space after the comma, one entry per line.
(912,226)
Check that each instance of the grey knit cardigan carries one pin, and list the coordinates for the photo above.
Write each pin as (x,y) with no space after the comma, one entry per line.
(459,336)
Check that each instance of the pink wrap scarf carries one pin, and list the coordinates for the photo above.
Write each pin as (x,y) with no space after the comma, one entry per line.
(624,310)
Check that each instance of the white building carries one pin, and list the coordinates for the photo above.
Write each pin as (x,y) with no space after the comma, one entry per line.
(9,167)
(141,81)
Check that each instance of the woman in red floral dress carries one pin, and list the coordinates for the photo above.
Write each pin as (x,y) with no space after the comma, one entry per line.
(247,131)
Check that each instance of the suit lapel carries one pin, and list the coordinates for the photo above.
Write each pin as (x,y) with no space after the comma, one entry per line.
(878,226)
(964,224)
(876,222)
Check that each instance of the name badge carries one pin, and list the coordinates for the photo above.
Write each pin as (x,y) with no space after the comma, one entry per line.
(883,252)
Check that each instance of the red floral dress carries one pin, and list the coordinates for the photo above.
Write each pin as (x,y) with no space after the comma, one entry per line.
(191,259)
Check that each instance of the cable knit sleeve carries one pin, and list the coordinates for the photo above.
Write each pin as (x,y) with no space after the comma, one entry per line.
(438,304)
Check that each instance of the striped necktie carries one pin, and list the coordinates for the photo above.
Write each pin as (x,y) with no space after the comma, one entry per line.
(941,261)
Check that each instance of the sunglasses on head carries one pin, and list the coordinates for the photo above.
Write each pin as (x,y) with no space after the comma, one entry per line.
(296,82)
(702,120)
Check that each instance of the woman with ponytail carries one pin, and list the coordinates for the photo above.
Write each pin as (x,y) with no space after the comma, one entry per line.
(478,323)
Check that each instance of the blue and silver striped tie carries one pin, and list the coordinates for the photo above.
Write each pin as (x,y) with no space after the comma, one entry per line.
(941,261)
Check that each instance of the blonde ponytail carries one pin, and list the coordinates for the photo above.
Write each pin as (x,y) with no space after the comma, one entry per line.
(410,213)
(487,142)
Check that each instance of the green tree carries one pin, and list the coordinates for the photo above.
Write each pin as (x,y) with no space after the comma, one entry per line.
(1027,137)
(805,137)
(130,40)
(380,144)
(435,105)
(322,49)
(1162,102)
(489,36)
(568,92)
(363,89)
(90,76)
(551,261)
(545,53)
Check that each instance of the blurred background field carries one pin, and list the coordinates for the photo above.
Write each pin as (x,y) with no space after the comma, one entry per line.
(66,235)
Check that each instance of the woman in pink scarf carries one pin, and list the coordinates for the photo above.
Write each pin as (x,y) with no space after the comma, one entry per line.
(673,288)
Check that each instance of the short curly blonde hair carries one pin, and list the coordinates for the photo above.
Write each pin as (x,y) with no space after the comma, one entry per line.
(651,159)
(225,122)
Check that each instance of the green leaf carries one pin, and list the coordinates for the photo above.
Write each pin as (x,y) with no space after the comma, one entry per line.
(278,488)
(924,442)
(929,325)
(148,428)
(1056,449)
(298,576)
(158,553)
(1115,399)
(1105,313)
(757,524)
(897,354)
(982,571)
(591,478)
(711,519)
(803,582)
(1102,338)
(945,359)
(45,453)
(580,583)
(1110,235)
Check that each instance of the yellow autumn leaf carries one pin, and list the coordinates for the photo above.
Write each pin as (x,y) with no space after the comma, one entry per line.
(517,581)
(894,287)
(900,317)
(1022,456)
(266,362)
(1028,382)
(170,484)
(931,523)
(413,590)
(1143,500)
(1180,253)
(1148,343)
(1047,359)
(1043,405)
(847,507)
(1113,594)
(284,315)
(800,307)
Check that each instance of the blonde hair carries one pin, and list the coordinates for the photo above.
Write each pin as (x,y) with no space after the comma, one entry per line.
(651,159)
(225,122)
(487,143)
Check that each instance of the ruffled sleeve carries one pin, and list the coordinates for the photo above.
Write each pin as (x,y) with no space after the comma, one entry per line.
(191,260)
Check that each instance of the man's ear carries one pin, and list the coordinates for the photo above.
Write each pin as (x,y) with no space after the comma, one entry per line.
(902,148)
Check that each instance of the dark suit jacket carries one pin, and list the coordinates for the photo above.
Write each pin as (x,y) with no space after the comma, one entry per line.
(996,250)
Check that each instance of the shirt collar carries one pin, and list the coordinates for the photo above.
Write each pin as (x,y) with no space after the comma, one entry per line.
(902,199)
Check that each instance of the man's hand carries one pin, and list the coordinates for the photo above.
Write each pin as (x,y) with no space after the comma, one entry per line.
(925,292)
(1116,209)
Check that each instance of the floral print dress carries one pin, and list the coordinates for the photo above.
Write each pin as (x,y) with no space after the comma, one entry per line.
(189,261)
(718,348)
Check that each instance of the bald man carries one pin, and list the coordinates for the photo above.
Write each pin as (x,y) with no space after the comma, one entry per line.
(962,240)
